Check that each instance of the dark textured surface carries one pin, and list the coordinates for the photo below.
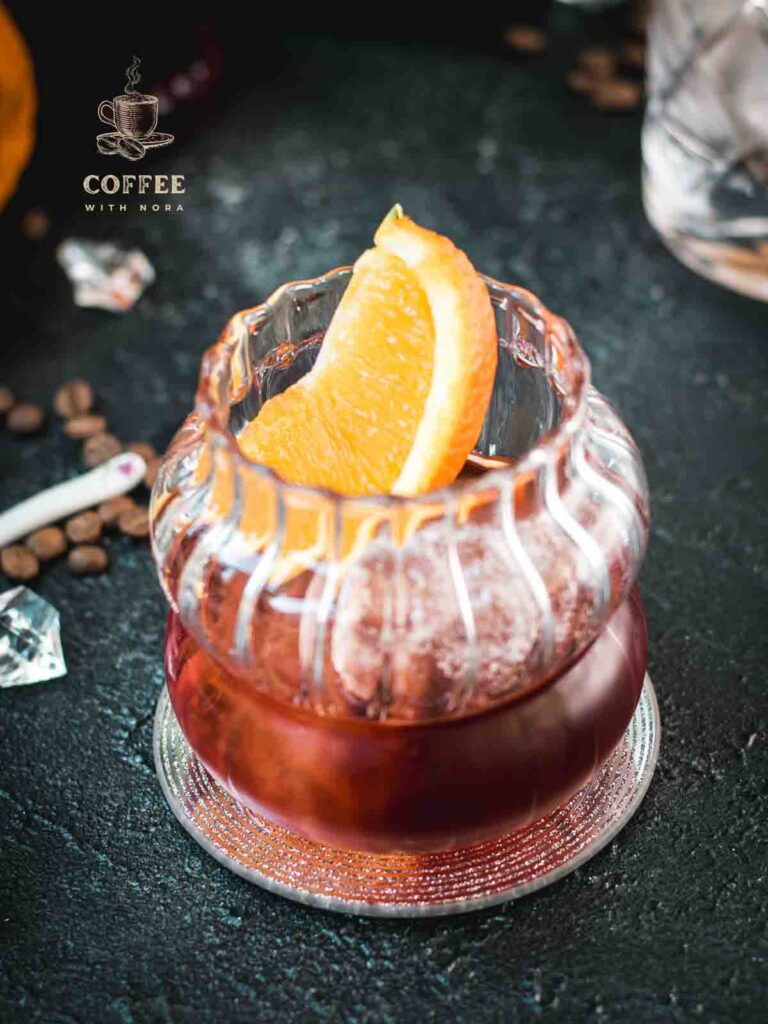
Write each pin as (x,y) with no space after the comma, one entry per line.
(110,912)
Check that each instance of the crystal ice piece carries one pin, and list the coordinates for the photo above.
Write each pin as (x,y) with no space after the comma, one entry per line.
(30,643)
(103,274)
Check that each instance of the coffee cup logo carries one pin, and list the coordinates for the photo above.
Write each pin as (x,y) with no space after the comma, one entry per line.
(133,116)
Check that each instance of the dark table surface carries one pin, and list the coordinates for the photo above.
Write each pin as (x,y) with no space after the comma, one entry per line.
(109,911)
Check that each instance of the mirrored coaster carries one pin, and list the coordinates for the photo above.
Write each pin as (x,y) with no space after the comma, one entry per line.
(408,885)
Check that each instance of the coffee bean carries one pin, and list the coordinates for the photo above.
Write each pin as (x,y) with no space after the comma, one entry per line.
(134,522)
(617,94)
(47,543)
(6,400)
(151,474)
(87,559)
(130,149)
(633,53)
(526,39)
(84,529)
(146,451)
(25,418)
(73,399)
(79,428)
(110,511)
(100,448)
(35,224)
(19,563)
(598,62)
(107,144)
(580,81)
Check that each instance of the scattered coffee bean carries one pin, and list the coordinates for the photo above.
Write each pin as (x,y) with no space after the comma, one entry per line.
(85,528)
(526,39)
(146,451)
(598,62)
(87,559)
(617,94)
(19,563)
(100,448)
(25,418)
(151,474)
(73,399)
(633,53)
(110,511)
(580,81)
(47,543)
(134,522)
(79,428)
(35,224)
(6,400)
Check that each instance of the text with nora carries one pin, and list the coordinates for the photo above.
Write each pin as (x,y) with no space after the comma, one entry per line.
(134,184)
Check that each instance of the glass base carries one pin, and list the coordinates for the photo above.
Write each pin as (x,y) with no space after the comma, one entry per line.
(740,267)
(735,261)
(408,885)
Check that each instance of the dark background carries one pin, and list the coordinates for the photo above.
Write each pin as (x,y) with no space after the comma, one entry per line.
(306,135)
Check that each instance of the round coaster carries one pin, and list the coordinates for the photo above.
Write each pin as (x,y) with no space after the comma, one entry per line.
(408,885)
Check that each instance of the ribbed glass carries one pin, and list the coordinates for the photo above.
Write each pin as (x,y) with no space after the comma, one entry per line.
(406,609)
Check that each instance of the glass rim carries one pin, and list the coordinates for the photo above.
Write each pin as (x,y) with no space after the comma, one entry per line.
(212,406)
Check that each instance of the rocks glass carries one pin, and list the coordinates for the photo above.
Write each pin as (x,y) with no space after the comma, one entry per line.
(396,674)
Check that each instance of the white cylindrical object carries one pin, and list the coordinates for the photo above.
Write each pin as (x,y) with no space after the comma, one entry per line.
(122,473)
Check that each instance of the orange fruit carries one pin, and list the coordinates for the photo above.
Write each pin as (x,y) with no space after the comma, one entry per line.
(396,399)
(18,105)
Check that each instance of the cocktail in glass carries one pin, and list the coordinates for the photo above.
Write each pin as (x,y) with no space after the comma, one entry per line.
(405,674)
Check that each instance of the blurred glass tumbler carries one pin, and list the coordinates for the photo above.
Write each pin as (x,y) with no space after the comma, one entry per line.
(705,138)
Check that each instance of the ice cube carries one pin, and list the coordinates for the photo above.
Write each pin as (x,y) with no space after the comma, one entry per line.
(30,642)
(103,274)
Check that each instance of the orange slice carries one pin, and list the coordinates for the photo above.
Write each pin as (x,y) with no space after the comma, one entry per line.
(397,397)
(18,105)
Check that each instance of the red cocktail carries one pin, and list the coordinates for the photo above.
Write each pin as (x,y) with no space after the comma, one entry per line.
(409,786)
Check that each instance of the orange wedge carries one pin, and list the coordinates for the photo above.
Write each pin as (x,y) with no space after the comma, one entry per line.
(397,397)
